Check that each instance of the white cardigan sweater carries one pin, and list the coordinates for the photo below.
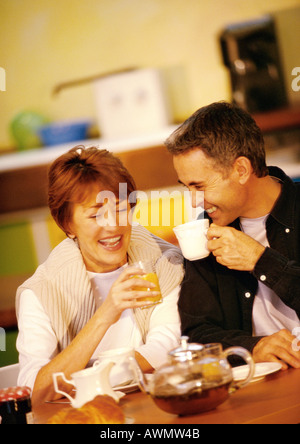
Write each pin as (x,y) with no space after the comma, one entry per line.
(63,287)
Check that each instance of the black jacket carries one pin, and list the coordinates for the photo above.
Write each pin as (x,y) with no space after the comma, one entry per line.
(215,303)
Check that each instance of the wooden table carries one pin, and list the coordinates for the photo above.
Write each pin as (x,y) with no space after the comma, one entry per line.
(273,400)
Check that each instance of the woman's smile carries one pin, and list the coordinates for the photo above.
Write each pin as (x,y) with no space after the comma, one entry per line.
(111,243)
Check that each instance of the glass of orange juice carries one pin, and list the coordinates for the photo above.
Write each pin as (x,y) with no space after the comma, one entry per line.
(150,275)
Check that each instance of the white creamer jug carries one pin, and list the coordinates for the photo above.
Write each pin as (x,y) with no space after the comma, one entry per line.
(89,383)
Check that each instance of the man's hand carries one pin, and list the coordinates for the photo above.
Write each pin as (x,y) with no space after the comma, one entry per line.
(278,348)
(232,248)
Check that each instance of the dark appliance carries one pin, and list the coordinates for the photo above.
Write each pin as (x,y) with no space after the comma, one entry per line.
(250,51)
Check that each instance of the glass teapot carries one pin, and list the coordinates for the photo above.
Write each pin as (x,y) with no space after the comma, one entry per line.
(197,378)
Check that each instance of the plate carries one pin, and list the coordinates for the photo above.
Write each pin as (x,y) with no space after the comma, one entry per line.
(127,388)
(262,369)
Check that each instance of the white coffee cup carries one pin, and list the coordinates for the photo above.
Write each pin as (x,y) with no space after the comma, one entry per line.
(192,239)
(121,373)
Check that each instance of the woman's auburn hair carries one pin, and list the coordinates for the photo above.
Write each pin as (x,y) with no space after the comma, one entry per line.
(75,174)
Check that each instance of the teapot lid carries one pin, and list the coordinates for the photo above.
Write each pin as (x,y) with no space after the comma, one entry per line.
(186,351)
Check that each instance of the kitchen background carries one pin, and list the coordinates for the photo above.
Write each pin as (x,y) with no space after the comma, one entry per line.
(175,45)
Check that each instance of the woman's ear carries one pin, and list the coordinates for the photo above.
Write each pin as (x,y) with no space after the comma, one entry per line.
(68,229)
(243,168)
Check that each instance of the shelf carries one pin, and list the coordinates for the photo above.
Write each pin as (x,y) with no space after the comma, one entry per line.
(279,119)
(45,155)
(23,175)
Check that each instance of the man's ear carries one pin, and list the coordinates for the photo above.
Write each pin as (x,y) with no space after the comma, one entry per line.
(243,169)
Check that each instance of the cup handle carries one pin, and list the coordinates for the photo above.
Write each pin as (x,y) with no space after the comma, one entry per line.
(246,356)
(55,376)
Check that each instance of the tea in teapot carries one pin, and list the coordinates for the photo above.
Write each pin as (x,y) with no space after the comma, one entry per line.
(197,378)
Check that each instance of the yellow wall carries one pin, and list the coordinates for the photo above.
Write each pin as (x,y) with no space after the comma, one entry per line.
(44,42)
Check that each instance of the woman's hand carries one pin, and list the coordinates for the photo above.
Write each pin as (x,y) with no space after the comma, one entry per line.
(124,294)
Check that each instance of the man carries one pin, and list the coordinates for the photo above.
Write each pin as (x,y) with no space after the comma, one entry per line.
(247,292)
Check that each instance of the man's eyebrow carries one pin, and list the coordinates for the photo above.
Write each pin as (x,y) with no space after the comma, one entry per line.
(191,184)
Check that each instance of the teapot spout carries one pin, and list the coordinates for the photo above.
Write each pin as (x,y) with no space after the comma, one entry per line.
(139,375)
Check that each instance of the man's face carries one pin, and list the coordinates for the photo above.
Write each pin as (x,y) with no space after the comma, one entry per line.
(224,196)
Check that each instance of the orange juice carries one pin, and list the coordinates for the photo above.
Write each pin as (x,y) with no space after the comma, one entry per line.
(151,277)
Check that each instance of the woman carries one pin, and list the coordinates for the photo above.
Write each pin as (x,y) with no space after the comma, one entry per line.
(81,301)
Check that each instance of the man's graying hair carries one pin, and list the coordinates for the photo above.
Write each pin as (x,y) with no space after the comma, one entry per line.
(223,132)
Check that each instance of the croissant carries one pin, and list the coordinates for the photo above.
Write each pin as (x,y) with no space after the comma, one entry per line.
(101,410)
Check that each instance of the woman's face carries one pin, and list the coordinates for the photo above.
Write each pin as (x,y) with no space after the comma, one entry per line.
(103,232)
